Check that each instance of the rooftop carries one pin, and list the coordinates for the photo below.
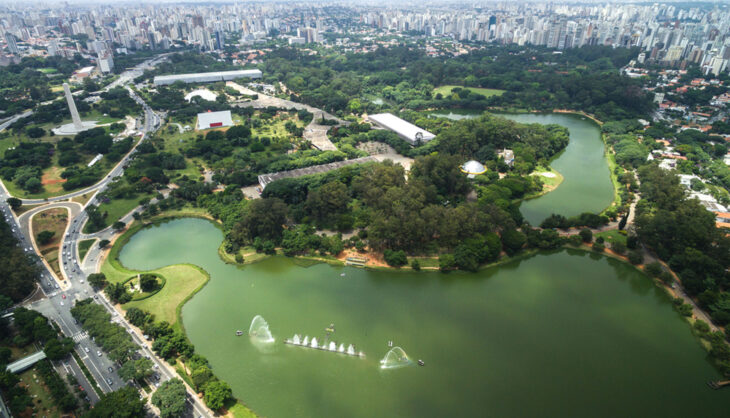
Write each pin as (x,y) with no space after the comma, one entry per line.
(205,119)
(405,129)
(207,77)
(265,179)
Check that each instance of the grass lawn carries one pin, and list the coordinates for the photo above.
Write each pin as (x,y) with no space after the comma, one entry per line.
(240,410)
(182,281)
(424,261)
(43,404)
(84,247)
(117,208)
(446,91)
(611,236)
(53,220)
(549,182)
(611,160)
(83,198)
(6,143)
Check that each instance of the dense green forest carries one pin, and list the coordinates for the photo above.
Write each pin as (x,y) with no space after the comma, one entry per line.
(534,78)
(436,209)
(23,85)
(17,269)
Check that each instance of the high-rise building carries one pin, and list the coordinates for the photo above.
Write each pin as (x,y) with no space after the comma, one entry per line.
(106,62)
(12,43)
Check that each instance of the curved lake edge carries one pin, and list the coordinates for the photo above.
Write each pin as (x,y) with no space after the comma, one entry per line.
(584,250)
(608,153)
(525,254)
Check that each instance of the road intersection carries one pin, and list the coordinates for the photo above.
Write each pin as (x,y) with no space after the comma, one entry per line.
(61,293)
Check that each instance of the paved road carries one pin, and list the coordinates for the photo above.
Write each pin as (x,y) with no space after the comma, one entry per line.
(12,119)
(58,300)
(314,132)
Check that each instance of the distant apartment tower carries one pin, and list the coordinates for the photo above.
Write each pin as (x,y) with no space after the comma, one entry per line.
(106,63)
(309,34)
(12,43)
(220,39)
(53,48)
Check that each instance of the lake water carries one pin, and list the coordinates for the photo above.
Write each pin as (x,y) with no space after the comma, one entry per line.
(586,186)
(557,334)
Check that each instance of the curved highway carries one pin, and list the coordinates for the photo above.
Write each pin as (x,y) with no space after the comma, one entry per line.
(61,294)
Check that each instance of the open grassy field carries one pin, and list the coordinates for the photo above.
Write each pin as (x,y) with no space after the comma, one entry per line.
(182,281)
(43,405)
(83,198)
(84,247)
(6,143)
(446,91)
(51,220)
(116,209)
(611,236)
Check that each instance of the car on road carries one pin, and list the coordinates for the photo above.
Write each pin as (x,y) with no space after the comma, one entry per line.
(61,303)
(86,349)
(98,353)
(63,296)
(111,369)
(109,381)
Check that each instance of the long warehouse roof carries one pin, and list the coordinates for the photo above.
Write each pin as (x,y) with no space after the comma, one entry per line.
(402,127)
(207,77)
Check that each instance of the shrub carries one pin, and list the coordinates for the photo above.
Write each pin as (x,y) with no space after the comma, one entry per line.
(44,237)
(632,242)
(586,234)
(653,269)
(598,247)
(635,257)
(415,265)
(686,310)
(575,240)
(446,262)
(618,247)
(701,327)
(395,258)
(666,277)
(600,240)
(239,258)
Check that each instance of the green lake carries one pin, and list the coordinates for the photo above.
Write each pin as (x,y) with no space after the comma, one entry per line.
(586,186)
(566,333)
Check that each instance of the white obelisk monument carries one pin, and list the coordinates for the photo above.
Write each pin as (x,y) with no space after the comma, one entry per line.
(72,108)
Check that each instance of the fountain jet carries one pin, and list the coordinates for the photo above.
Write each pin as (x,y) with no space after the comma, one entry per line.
(395,358)
(259,330)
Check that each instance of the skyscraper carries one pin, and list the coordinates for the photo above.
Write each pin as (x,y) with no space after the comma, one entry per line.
(12,44)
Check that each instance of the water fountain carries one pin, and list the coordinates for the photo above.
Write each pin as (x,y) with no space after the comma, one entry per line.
(314,344)
(332,346)
(351,350)
(394,359)
(341,349)
(259,330)
(296,340)
(305,342)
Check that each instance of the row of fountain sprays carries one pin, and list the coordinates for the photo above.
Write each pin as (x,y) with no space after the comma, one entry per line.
(395,357)
(332,346)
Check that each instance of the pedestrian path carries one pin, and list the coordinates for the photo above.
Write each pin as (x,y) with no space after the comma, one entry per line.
(80,336)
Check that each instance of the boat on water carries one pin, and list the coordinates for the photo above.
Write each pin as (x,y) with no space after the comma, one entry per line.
(421,362)
(239,332)
(390,343)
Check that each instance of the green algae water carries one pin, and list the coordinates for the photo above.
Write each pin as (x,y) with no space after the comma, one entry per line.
(587,184)
(564,333)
